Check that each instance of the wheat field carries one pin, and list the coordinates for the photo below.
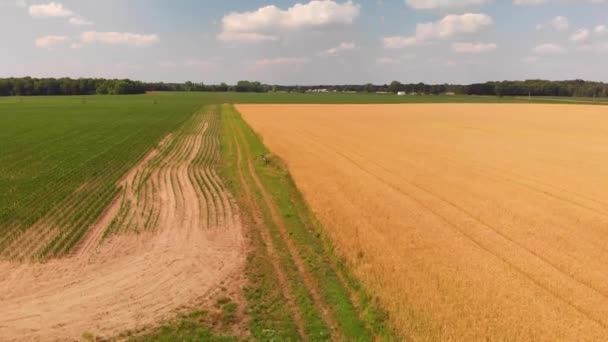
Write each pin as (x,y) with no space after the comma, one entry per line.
(467,221)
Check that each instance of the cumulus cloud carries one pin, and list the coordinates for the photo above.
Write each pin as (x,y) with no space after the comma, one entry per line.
(541,2)
(335,51)
(54,10)
(444,4)
(50,10)
(50,41)
(560,23)
(601,30)
(79,21)
(580,36)
(451,25)
(529,2)
(265,23)
(397,42)
(474,48)
(228,36)
(548,49)
(119,38)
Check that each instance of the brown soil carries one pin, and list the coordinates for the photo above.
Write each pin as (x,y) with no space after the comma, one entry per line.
(133,281)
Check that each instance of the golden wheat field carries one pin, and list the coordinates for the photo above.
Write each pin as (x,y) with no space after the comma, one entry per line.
(468,221)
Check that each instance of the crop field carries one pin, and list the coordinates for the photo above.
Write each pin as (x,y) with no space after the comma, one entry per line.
(61,159)
(156,220)
(168,239)
(202,232)
(298,290)
(468,221)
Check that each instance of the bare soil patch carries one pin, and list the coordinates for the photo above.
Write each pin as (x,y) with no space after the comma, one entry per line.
(135,278)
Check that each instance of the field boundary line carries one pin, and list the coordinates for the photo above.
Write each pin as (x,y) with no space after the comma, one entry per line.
(269,245)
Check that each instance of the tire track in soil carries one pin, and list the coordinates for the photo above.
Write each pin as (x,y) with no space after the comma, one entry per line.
(257,217)
(307,278)
(131,281)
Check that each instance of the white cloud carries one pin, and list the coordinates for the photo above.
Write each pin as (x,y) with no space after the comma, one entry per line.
(560,23)
(580,36)
(451,25)
(79,21)
(541,2)
(549,49)
(294,61)
(396,42)
(601,30)
(48,42)
(444,4)
(245,37)
(474,48)
(529,2)
(335,51)
(119,38)
(50,10)
(264,23)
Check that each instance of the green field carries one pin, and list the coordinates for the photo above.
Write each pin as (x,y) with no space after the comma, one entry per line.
(61,157)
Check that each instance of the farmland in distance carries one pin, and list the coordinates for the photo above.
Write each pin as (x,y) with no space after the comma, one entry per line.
(468,221)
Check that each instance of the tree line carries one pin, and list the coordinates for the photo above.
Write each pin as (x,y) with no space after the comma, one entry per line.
(28,86)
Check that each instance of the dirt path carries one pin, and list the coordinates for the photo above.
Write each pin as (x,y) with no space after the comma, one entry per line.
(308,280)
(132,281)
(245,159)
(270,249)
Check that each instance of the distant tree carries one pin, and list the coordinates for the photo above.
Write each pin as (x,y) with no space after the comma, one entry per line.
(394,87)
(223,87)
(102,89)
(188,86)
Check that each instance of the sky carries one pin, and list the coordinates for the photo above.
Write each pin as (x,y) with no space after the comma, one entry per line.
(306,42)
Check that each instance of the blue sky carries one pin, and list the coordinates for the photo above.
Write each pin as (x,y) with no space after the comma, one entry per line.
(306,42)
